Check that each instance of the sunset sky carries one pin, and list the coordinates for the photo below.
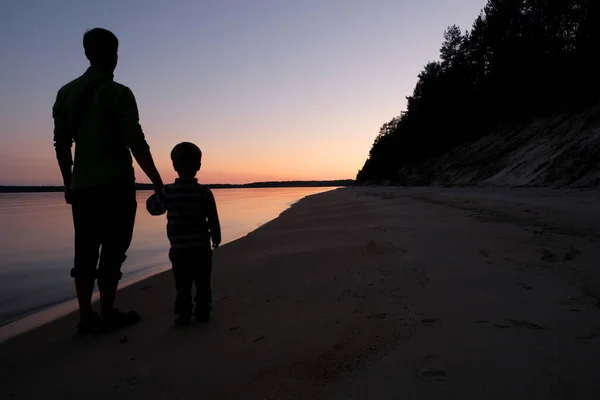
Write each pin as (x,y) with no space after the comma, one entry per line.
(269,89)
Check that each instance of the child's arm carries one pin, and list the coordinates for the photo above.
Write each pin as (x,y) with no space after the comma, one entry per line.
(213,220)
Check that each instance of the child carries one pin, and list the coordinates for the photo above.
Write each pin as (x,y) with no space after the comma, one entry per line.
(192,221)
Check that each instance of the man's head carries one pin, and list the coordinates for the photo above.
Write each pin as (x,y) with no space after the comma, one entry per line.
(187,159)
(101,48)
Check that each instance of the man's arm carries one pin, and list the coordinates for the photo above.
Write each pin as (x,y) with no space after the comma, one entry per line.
(63,142)
(213,220)
(129,119)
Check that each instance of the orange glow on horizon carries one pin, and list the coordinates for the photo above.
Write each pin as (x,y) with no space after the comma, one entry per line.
(248,161)
(43,170)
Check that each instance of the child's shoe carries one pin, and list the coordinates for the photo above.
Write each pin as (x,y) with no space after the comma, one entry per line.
(182,320)
(203,316)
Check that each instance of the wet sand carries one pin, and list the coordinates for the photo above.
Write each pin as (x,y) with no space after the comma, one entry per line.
(362,293)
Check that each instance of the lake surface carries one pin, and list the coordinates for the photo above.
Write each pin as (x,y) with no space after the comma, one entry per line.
(36,241)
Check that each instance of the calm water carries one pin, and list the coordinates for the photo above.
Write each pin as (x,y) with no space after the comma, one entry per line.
(36,241)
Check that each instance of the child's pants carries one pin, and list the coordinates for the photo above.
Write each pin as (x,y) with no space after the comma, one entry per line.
(192,266)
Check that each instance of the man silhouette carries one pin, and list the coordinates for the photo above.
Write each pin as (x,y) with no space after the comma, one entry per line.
(101,117)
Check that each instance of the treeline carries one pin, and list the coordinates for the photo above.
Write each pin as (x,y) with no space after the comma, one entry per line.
(274,184)
(145,186)
(521,59)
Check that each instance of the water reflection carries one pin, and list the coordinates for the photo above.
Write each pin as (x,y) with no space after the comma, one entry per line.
(36,241)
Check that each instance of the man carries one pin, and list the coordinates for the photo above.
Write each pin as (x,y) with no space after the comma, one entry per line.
(101,117)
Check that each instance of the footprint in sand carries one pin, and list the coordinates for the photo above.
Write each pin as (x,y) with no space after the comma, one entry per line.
(553,257)
(134,380)
(589,336)
(484,252)
(434,375)
(526,324)
(513,323)
(379,315)
(547,255)
(571,254)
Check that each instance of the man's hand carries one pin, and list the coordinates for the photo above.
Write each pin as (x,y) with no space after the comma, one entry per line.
(68,195)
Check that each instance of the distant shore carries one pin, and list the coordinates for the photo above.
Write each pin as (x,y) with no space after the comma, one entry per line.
(147,186)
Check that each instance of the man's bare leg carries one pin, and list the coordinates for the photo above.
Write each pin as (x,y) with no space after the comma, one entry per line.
(84,287)
(108,292)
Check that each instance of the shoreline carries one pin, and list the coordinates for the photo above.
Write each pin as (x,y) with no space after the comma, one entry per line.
(47,315)
(363,293)
(51,313)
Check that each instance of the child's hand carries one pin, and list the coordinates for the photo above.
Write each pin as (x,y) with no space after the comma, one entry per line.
(155,205)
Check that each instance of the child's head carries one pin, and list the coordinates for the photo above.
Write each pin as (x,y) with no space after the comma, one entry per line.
(187,159)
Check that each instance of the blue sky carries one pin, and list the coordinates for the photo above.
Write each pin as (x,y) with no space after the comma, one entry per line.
(269,89)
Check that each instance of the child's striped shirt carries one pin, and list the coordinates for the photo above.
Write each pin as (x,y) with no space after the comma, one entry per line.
(192,218)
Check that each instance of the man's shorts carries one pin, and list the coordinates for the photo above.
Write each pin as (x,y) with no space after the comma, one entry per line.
(103,218)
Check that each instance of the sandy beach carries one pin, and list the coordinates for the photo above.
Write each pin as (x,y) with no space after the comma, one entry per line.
(361,293)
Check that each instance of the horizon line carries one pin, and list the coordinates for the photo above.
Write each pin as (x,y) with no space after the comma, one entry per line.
(148,186)
(207,184)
